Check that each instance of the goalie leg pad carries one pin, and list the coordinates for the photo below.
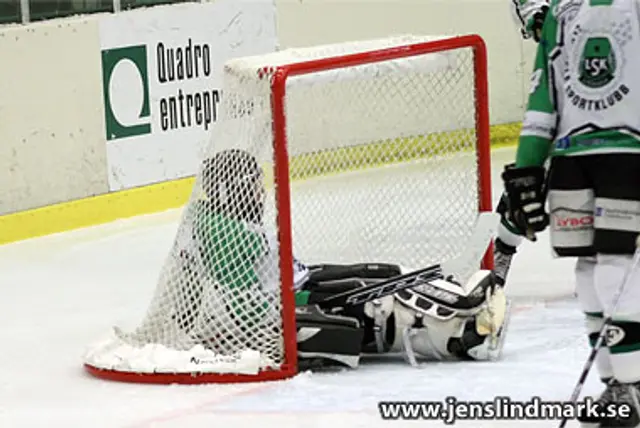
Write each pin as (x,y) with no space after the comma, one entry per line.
(452,321)
(327,280)
(444,299)
(380,312)
(332,339)
(341,344)
(327,275)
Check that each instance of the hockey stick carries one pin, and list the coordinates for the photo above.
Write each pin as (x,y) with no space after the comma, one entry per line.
(478,243)
(603,331)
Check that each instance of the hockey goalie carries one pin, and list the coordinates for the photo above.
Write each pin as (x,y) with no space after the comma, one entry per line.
(230,262)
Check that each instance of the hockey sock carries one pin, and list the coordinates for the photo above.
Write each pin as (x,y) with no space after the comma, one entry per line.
(594,322)
(623,341)
(590,303)
(623,334)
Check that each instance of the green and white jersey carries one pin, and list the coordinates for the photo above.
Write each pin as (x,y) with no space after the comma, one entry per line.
(585,88)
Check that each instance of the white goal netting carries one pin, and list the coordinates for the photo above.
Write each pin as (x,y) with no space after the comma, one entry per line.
(381,159)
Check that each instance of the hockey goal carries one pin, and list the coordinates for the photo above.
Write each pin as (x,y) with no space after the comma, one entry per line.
(370,151)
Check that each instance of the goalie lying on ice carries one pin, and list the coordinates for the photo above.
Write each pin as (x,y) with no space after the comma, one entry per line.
(440,320)
(231,278)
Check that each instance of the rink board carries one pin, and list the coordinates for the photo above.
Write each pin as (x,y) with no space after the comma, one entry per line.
(173,194)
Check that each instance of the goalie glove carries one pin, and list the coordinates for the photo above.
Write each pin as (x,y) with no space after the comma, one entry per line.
(525,199)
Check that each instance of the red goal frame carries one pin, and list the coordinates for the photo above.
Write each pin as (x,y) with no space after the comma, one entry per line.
(279,76)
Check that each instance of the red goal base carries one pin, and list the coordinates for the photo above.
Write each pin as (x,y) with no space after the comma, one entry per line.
(188,378)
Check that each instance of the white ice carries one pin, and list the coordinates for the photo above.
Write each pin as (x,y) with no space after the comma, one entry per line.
(60,293)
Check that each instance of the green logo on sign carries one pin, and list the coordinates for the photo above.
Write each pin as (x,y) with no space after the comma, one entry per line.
(598,63)
(125,84)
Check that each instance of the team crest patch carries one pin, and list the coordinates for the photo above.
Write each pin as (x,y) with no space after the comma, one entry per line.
(598,63)
(593,72)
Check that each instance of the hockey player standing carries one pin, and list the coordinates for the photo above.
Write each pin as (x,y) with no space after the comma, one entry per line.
(582,118)
(528,16)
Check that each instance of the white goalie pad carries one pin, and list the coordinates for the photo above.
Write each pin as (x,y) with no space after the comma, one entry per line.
(443,299)
(427,318)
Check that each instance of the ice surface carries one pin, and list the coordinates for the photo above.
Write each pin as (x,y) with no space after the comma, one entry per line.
(60,293)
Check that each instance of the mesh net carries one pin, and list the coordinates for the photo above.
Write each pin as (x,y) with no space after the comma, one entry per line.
(382,168)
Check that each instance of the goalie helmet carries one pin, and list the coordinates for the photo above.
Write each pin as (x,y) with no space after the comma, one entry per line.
(233,183)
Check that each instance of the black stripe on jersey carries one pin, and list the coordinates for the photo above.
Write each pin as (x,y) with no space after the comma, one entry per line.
(553,55)
(591,127)
(554,93)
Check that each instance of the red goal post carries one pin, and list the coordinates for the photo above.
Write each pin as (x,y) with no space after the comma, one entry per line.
(108,358)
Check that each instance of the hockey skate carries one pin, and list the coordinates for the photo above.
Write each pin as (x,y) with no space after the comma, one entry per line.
(604,399)
(624,393)
(615,393)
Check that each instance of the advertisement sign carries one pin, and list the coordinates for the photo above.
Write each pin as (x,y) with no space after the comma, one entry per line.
(162,82)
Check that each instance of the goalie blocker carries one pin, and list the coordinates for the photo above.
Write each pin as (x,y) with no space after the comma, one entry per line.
(439,320)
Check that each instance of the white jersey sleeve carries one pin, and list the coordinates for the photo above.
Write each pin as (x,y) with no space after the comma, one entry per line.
(523,12)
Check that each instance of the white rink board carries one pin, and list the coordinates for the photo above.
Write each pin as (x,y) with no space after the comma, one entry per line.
(310,22)
(163,82)
(50,151)
(60,60)
(54,127)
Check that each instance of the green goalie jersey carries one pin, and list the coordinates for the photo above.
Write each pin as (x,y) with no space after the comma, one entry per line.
(225,262)
(585,87)
(233,262)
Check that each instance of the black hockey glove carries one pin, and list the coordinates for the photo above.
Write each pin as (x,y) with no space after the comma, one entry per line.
(538,22)
(503,210)
(525,200)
